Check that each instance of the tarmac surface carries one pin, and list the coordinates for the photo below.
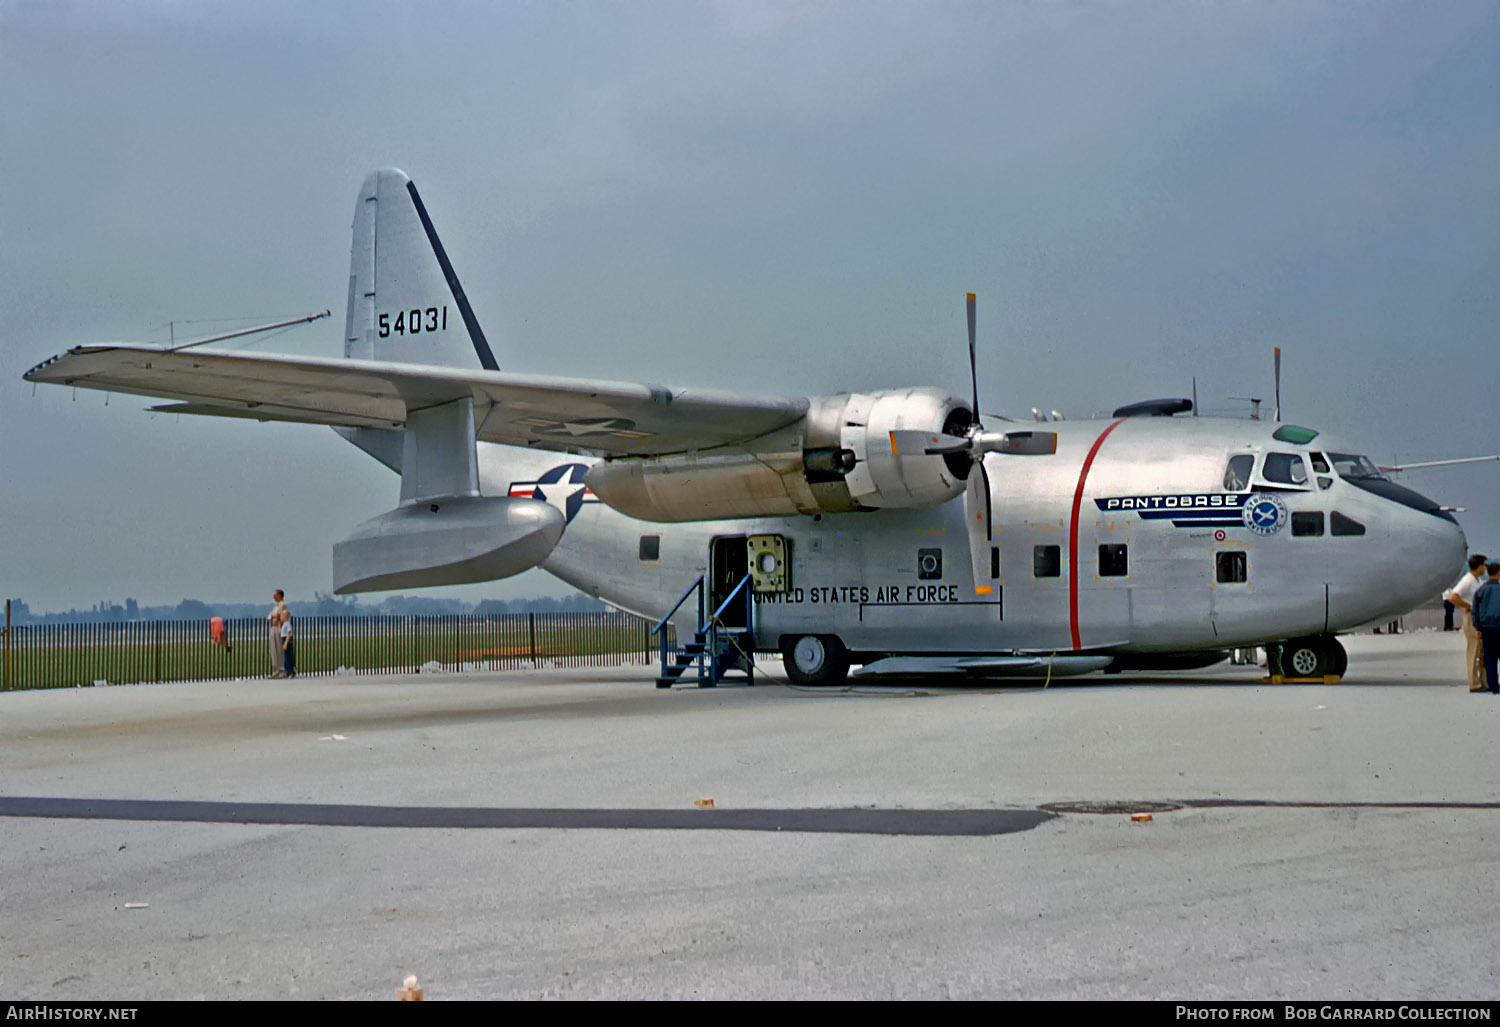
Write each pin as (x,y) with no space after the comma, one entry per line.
(534,834)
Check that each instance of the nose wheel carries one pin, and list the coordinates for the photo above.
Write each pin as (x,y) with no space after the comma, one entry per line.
(1316,656)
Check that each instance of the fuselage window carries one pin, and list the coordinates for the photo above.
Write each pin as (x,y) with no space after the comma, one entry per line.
(1237,474)
(1284,469)
(1114,561)
(1309,524)
(650,547)
(1046,562)
(1232,567)
(1345,525)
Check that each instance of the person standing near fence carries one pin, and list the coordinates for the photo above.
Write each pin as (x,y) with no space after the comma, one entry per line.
(273,619)
(288,645)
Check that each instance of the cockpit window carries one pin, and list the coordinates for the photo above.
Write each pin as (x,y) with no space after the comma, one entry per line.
(1237,474)
(1355,468)
(1285,469)
(1319,463)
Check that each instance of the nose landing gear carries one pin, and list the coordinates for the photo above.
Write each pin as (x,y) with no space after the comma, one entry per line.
(1316,656)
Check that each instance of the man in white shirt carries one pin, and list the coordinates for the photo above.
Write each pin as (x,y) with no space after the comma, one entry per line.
(1462,597)
(273,620)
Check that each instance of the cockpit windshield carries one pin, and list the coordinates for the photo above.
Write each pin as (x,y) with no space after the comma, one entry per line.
(1355,468)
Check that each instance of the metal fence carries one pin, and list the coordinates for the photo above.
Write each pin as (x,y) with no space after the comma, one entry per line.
(65,655)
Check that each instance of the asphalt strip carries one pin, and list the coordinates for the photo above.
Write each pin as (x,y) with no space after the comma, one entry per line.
(954,822)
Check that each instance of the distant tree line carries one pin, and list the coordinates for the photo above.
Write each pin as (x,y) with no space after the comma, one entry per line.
(321,605)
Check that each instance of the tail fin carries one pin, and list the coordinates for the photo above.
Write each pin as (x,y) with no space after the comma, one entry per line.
(405,300)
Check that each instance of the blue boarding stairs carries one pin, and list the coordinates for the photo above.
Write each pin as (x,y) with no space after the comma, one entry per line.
(717,649)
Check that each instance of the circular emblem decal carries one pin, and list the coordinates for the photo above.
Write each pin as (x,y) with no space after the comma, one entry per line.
(1264,513)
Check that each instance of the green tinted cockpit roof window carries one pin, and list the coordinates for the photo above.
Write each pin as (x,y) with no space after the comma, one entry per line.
(1295,435)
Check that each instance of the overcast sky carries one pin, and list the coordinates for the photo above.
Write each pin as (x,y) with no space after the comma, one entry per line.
(763,197)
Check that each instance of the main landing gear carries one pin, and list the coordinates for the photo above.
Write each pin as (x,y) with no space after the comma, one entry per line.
(1315,656)
(815,659)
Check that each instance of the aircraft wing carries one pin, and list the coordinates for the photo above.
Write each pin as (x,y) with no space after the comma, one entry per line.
(573,415)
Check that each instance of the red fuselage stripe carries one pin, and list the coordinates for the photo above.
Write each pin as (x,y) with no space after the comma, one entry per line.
(1073,533)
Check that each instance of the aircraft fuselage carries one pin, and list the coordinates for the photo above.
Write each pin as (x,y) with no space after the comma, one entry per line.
(1138,535)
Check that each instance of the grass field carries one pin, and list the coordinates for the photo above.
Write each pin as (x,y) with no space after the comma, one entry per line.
(66,655)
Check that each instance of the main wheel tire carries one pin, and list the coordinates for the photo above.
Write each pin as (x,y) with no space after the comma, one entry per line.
(815,659)
(1312,657)
(1340,658)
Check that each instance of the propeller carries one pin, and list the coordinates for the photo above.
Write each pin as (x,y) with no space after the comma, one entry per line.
(976,443)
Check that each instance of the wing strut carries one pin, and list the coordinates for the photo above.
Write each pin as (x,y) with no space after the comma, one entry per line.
(251,331)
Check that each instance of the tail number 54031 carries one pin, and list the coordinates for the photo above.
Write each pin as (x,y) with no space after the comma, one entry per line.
(415,321)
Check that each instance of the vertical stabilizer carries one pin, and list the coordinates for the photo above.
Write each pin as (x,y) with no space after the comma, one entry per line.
(405,301)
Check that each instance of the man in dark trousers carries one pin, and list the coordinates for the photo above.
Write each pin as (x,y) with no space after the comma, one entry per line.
(1485,612)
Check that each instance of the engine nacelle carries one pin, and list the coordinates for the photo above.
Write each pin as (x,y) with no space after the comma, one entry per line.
(837,459)
(882,478)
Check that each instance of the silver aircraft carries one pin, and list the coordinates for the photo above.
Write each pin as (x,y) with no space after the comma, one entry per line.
(895,529)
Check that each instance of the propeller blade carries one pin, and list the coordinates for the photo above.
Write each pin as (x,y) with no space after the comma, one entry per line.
(905,442)
(983,556)
(1017,443)
(973,366)
(1278,383)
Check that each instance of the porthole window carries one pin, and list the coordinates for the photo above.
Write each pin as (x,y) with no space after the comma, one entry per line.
(650,547)
(1232,567)
(1114,561)
(1046,562)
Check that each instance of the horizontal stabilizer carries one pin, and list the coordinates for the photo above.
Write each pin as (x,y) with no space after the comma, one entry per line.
(456,542)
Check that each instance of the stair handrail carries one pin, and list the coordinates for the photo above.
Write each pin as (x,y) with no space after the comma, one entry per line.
(714,623)
(698,584)
(714,618)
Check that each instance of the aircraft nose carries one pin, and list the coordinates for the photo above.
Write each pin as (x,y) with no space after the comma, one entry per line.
(1436,555)
(1413,558)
